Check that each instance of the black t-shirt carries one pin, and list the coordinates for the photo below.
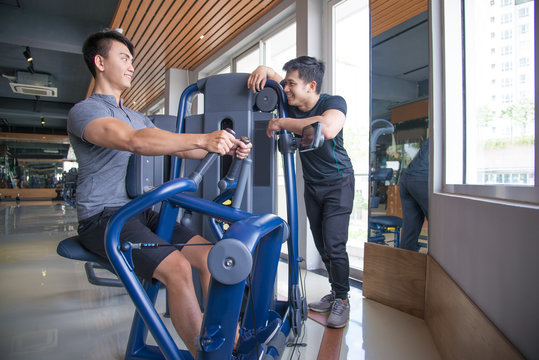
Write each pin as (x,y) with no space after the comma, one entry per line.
(330,162)
(420,163)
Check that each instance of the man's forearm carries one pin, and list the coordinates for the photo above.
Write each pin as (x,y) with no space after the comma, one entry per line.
(297,125)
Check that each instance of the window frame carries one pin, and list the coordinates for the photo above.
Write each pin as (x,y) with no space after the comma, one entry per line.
(452,41)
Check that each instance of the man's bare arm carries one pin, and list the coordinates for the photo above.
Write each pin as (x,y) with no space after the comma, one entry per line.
(113,133)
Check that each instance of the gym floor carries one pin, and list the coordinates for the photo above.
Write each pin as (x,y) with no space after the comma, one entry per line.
(48,310)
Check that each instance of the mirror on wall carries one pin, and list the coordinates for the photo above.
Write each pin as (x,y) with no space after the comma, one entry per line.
(399,121)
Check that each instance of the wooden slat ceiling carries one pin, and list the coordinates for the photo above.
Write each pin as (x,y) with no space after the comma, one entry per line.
(178,34)
(386,14)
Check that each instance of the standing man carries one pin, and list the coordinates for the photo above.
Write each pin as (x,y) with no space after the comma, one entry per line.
(327,172)
(414,192)
(104,133)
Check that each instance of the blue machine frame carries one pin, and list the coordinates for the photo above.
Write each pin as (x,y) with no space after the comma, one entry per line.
(262,234)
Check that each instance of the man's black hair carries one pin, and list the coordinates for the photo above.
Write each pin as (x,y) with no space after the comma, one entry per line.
(100,43)
(308,68)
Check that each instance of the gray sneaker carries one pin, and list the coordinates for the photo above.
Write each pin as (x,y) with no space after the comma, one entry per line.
(324,304)
(339,314)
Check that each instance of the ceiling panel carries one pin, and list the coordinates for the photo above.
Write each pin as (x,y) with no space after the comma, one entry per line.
(178,34)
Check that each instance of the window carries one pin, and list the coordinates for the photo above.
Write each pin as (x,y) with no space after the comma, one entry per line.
(224,70)
(507,82)
(507,66)
(493,154)
(248,61)
(273,51)
(507,34)
(507,18)
(507,50)
(280,47)
(350,75)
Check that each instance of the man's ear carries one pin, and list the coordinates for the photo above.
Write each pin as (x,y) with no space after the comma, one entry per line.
(312,86)
(99,63)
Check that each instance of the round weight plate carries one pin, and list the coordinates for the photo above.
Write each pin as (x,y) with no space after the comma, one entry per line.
(266,99)
(230,261)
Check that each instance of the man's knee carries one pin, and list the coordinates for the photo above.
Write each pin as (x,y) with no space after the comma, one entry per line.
(174,269)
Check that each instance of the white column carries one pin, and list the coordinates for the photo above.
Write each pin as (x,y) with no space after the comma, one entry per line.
(176,80)
(308,42)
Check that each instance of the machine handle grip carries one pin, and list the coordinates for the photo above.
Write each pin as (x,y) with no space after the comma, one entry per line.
(205,164)
(201,169)
(242,183)
(233,171)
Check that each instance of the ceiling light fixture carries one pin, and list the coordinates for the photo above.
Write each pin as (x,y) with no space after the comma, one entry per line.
(42,121)
(28,55)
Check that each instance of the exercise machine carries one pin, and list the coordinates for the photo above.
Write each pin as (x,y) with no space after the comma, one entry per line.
(244,259)
(381,224)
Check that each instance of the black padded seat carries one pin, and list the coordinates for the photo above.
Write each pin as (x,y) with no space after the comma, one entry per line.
(71,248)
(387,220)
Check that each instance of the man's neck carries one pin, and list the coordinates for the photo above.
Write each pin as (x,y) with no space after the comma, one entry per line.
(104,89)
(309,103)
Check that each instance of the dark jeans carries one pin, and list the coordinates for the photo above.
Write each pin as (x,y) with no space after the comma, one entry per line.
(414,192)
(328,208)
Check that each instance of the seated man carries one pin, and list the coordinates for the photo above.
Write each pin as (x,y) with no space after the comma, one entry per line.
(104,133)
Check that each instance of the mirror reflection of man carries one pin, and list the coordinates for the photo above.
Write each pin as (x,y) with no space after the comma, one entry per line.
(327,172)
(414,193)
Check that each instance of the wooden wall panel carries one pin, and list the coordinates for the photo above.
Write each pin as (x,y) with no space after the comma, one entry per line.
(414,110)
(395,277)
(28,194)
(459,328)
(386,14)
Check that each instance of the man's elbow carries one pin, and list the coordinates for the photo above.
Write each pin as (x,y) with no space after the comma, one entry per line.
(329,134)
(134,145)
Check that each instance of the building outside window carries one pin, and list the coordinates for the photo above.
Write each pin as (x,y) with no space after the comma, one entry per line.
(499,135)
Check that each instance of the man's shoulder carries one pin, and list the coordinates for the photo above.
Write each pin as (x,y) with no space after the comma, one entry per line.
(88,105)
(89,101)
(328,97)
(333,102)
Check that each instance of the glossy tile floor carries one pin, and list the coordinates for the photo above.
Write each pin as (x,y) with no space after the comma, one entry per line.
(48,310)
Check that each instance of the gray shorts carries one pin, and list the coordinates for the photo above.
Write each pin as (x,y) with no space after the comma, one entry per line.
(138,229)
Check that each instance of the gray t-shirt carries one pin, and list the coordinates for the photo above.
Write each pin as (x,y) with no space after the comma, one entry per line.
(101,181)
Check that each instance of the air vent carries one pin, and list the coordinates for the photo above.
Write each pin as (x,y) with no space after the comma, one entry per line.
(34,90)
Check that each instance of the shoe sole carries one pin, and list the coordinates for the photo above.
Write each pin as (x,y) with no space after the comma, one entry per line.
(319,310)
(337,326)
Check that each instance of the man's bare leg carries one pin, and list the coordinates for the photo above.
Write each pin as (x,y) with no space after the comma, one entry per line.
(175,272)
(198,257)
